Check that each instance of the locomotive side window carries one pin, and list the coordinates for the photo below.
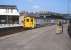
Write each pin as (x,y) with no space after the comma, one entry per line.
(31,20)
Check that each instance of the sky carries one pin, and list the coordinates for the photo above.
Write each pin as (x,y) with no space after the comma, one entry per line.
(59,6)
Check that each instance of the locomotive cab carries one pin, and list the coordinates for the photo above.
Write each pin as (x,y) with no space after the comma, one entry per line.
(29,22)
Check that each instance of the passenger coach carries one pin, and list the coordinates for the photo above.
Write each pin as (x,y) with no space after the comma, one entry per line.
(9,16)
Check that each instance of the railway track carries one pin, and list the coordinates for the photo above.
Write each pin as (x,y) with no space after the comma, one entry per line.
(12,30)
(8,31)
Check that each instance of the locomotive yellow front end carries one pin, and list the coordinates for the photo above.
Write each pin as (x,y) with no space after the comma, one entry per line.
(29,22)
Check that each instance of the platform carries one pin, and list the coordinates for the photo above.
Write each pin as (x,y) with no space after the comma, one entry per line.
(44,38)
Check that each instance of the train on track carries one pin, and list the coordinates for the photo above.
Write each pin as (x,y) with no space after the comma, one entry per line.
(10,17)
(29,22)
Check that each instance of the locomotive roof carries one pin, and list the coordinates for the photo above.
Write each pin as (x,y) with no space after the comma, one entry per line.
(8,6)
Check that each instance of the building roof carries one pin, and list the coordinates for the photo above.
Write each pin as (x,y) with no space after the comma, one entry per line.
(8,6)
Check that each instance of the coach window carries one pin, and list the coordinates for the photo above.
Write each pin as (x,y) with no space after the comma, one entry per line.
(15,20)
(10,21)
(27,20)
(3,20)
(31,20)
(11,10)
